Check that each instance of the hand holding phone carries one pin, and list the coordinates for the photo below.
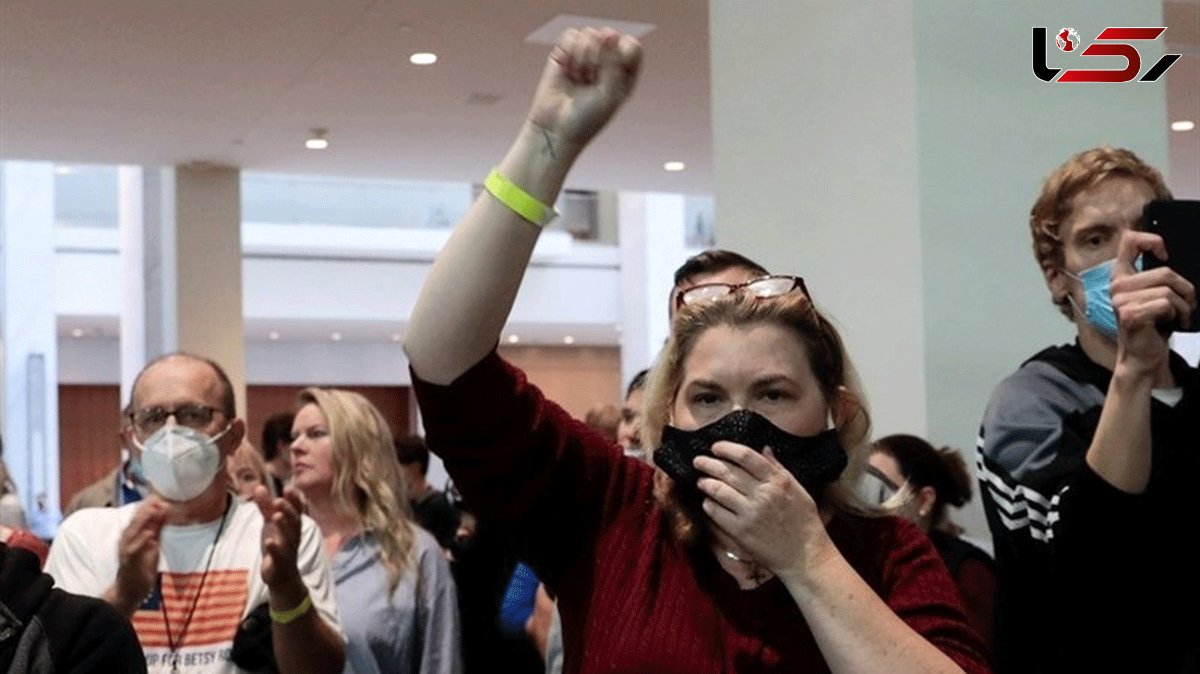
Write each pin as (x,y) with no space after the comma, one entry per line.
(1178,223)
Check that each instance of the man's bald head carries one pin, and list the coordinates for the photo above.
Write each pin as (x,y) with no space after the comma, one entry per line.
(202,376)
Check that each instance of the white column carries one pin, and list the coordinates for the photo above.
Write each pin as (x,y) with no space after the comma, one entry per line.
(146,217)
(181,265)
(30,343)
(652,241)
(815,157)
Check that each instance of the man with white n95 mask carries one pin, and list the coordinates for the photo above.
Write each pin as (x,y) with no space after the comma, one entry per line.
(189,563)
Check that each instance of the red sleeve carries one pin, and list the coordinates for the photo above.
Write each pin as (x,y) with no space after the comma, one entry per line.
(522,462)
(977,583)
(25,540)
(917,586)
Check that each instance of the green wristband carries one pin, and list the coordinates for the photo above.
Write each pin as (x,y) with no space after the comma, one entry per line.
(285,617)
(518,200)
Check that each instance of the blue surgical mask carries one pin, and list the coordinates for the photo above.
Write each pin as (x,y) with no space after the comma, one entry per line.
(1098,308)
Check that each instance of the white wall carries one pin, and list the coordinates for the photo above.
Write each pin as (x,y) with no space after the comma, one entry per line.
(814,135)
(350,277)
(988,133)
(889,153)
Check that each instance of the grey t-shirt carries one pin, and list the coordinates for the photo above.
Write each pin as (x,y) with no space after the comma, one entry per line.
(415,630)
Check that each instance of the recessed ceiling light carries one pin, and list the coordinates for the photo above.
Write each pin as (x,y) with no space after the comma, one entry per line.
(674,166)
(64,170)
(273,335)
(513,339)
(77,333)
(337,336)
(423,58)
(317,140)
(1183,125)
(568,340)
(397,336)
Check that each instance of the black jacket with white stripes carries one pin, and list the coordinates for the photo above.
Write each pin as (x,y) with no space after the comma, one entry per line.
(1086,572)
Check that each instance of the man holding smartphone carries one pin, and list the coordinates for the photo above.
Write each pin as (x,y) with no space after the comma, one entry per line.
(1089,447)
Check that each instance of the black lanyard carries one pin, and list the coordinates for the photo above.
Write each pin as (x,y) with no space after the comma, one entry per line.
(173,645)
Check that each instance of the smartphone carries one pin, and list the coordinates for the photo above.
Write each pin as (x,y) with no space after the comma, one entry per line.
(1178,223)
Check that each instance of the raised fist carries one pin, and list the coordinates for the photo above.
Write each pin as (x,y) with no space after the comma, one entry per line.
(589,74)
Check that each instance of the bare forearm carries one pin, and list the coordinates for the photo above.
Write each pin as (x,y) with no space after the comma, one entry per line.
(1120,449)
(471,288)
(307,644)
(855,630)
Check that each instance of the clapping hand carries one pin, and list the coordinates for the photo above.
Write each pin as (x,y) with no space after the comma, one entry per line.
(137,554)
(280,534)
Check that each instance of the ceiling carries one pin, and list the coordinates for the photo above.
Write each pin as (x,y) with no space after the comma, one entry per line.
(241,83)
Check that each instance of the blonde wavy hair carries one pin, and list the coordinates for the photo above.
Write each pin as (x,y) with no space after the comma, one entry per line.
(367,480)
(829,363)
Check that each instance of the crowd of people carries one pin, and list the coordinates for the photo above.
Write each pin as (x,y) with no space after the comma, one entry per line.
(732,513)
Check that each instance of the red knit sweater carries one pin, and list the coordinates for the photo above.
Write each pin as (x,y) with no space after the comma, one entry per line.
(630,597)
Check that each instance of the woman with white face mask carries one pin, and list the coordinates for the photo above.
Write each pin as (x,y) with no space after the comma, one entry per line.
(395,594)
(921,483)
(743,550)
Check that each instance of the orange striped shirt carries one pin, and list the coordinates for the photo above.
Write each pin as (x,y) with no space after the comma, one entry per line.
(216,616)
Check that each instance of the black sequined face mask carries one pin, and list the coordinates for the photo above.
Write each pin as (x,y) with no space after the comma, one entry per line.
(814,460)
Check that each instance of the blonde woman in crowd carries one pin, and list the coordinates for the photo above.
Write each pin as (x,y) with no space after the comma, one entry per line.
(395,594)
(744,550)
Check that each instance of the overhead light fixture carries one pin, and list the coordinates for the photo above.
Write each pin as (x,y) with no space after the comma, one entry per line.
(396,336)
(64,170)
(1183,125)
(513,339)
(317,139)
(568,340)
(337,336)
(273,335)
(674,166)
(77,333)
(423,58)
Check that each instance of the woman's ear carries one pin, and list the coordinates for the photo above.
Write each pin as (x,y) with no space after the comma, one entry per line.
(925,498)
(844,406)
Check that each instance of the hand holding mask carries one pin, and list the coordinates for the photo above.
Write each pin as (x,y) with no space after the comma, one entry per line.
(813,462)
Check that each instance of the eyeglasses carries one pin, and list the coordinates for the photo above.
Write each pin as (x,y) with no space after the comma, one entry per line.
(148,420)
(762,287)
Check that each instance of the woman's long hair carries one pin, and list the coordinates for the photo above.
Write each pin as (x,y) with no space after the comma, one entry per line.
(366,475)
(827,359)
